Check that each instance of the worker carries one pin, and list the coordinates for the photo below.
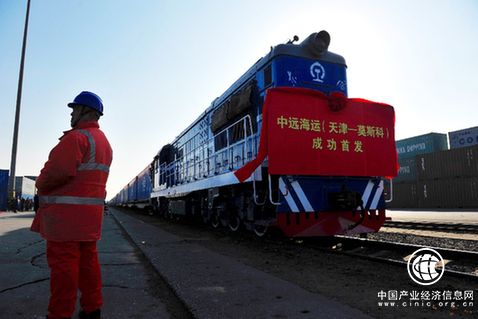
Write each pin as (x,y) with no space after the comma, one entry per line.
(71,189)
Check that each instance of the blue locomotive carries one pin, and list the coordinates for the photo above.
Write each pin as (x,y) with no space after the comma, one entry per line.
(195,176)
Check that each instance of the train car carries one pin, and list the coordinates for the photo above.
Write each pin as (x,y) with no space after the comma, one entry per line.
(136,193)
(283,147)
(143,188)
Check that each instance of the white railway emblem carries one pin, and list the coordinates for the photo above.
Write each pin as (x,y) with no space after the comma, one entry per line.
(318,72)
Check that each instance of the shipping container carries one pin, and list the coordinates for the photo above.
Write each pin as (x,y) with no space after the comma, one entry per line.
(132,191)
(463,138)
(427,143)
(434,194)
(404,195)
(407,171)
(144,185)
(139,189)
(459,162)
(124,195)
(24,187)
(448,193)
(3,189)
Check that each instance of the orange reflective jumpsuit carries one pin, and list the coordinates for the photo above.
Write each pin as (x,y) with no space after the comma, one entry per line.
(71,189)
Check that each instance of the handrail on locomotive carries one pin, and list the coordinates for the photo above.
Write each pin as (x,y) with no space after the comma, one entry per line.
(246,146)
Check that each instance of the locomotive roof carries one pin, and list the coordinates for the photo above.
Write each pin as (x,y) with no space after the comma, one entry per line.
(313,47)
(306,49)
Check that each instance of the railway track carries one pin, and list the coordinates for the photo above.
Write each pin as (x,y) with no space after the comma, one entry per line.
(458,263)
(441,227)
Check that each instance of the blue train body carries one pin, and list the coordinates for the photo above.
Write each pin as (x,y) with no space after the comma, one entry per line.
(137,193)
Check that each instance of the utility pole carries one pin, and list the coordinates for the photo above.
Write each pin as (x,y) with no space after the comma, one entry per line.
(13,163)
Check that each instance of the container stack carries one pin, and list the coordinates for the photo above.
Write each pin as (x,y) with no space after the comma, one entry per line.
(435,177)
(449,179)
(405,192)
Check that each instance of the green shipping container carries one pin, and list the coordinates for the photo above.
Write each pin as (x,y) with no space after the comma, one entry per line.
(422,144)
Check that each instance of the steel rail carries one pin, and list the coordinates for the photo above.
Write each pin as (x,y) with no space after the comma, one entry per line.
(452,227)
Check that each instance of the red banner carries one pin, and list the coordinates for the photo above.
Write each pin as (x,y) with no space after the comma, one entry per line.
(305,132)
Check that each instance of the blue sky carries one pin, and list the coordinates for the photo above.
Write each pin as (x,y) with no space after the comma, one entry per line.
(159,64)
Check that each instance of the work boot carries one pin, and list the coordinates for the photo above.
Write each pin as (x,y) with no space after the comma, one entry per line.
(92,315)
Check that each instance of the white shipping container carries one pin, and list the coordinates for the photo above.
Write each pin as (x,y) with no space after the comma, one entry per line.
(463,138)
(25,186)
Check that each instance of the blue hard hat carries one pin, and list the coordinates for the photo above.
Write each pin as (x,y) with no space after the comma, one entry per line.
(88,99)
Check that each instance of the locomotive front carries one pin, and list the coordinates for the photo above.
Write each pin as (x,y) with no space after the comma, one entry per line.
(325,155)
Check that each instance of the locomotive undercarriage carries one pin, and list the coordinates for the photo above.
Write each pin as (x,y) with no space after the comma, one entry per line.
(256,208)
(231,206)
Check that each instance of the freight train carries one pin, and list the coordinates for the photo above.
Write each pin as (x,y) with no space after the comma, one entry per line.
(283,147)
(136,193)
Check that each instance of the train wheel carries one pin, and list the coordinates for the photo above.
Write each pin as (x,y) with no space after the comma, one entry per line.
(260,230)
(215,220)
(234,223)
